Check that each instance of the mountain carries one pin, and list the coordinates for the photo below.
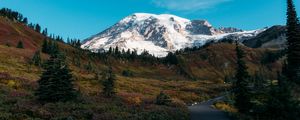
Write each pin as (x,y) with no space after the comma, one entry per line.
(160,34)
(198,75)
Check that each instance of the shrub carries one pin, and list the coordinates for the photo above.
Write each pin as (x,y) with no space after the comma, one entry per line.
(20,45)
(131,99)
(225,107)
(127,73)
(163,99)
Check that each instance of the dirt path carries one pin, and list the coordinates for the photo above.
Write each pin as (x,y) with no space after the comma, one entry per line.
(204,111)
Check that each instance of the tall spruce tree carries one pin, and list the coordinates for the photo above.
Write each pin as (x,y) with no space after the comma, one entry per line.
(109,83)
(25,21)
(56,83)
(241,90)
(38,28)
(281,104)
(293,42)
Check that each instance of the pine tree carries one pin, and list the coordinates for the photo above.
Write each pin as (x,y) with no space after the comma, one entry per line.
(36,59)
(49,47)
(282,105)
(20,45)
(38,28)
(25,21)
(171,59)
(241,90)
(56,83)
(109,83)
(133,54)
(117,52)
(45,32)
(293,38)
(53,47)
(110,51)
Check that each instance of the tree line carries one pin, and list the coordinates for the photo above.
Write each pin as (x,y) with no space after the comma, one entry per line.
(267,99)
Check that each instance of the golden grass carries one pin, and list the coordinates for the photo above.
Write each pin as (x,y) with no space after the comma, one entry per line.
(15,62)
(225,107)
(148,81)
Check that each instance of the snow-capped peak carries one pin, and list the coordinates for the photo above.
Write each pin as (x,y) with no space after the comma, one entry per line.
(138,17)
(159,34)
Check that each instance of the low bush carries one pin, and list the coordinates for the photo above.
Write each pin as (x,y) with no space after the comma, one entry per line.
(127,73)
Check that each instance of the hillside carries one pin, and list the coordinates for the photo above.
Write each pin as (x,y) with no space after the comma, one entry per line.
(218,61)
(199,75)
(13,32)
(19,80)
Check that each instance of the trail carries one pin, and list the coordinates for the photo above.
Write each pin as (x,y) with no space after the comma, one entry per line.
(204,111)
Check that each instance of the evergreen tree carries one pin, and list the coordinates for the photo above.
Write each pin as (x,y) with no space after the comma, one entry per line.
(110,51)
(282,105)
(293,38)
(109,83)
(53,47)
(49,47)
(56,83)
(25,21)
(171,59)
(45,32)
(241,90)
(38,28)
(36,59)
(123,52)
(117,52)
(133,54)
(20,45)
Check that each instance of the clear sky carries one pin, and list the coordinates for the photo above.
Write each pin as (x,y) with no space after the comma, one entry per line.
(83,18)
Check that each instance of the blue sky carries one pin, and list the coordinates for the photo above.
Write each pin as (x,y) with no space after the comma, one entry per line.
(83,18)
